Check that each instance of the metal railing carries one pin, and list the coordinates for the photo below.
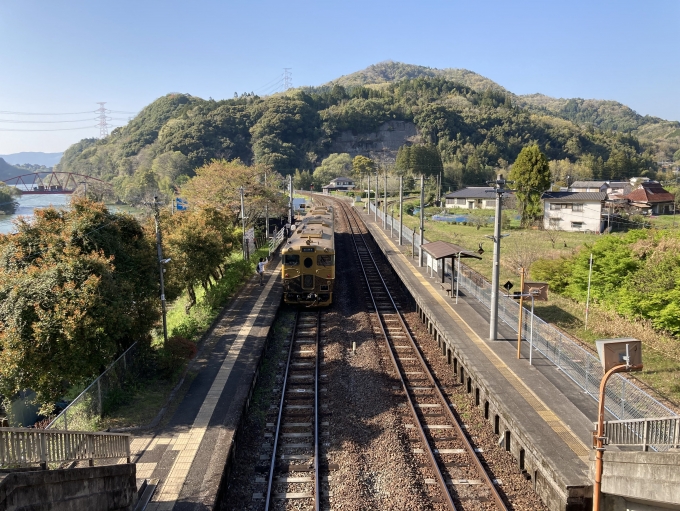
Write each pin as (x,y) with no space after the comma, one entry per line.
(277,239)
(84,412)
(22,447)
(659,433)
(624,399)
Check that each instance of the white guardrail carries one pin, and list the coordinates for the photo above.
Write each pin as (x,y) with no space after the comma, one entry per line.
(659,433)
(277,239)
(21,447)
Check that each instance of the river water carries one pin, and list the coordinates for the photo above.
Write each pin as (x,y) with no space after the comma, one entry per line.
(29,203)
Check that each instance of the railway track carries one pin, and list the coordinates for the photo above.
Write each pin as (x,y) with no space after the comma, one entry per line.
(294,479)
(438,438)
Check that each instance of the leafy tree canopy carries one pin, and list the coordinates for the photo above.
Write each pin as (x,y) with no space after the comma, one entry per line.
(77,287)
(531,176)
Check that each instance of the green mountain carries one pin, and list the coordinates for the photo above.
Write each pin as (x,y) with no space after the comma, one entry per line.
(475,123)
(388,71)
(7,170)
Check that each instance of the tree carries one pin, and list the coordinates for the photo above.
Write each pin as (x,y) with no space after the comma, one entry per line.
(336,165)
(676,155)
(77,287)
(8,195)
(361,165)
(303,180)
(197,242)
(217,186)
(531,174)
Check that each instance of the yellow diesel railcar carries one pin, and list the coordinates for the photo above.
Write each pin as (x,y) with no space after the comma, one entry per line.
(308,269)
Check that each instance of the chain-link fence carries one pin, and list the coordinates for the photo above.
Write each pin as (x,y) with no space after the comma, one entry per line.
(85,411)
(624,399)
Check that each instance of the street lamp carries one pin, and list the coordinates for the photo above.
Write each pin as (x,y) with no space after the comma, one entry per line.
(611,352)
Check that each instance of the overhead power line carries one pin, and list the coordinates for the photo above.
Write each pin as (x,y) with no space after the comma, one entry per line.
(46,122)
(34,113)
(57,129)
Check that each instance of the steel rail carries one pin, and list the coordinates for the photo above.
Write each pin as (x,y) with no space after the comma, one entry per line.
(414,413)
(317,479)
(463,437)
(272,465)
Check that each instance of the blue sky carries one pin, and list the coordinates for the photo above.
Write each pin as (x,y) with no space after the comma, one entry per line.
(66,56)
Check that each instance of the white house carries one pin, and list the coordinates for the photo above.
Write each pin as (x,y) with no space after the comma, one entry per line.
(474,197)
(339,184)
(573,211)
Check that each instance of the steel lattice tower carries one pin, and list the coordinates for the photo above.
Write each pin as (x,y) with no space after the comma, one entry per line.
(103,126)
(287,78)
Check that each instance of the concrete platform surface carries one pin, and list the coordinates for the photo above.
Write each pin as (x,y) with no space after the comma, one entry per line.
(542,416)
(188,456)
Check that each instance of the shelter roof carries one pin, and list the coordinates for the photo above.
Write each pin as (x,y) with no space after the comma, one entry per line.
(442,249)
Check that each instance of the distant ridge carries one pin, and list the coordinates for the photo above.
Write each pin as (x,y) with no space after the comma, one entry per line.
(389,71)
(33,158)
(7,170)
(603,114)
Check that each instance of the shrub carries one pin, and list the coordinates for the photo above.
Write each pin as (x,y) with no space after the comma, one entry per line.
(175,353)
(555,272)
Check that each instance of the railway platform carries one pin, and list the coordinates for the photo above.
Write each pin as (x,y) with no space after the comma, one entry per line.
(540,415)
(187,456)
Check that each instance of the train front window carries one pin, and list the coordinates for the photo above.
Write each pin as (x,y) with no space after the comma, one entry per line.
(291,260)
(324,260)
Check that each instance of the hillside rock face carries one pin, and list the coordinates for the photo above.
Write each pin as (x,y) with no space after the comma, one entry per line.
(381,145)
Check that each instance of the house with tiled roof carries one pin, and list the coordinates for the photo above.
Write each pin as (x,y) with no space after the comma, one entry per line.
(588,186)
(472,197)
(651,198)
(574,211)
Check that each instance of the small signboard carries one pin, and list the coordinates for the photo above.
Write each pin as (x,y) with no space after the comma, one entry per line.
(538,289)
(614,352)
(181,204)
(508,285)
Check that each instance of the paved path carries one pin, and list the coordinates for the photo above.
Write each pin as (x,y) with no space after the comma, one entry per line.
(189,454)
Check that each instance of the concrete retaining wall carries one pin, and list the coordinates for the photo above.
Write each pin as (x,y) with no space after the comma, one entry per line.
(640,481)
(107,488)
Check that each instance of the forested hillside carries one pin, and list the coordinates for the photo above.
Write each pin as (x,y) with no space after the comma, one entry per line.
(476,125)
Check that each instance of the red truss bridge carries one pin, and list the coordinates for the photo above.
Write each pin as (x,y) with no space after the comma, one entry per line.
(43,183)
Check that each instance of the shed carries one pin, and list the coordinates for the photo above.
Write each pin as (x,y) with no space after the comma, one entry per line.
(442,250)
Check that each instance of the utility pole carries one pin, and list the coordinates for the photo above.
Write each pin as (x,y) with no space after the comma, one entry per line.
(521,310)
(439,189)
(266,207)
(103,125)
(243,224)
(375,211)
(493,323)
(161,261)
(290,201)
(401,206)
(385,204)
(422,220)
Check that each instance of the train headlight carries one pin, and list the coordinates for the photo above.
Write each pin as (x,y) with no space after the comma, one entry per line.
(328,282)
